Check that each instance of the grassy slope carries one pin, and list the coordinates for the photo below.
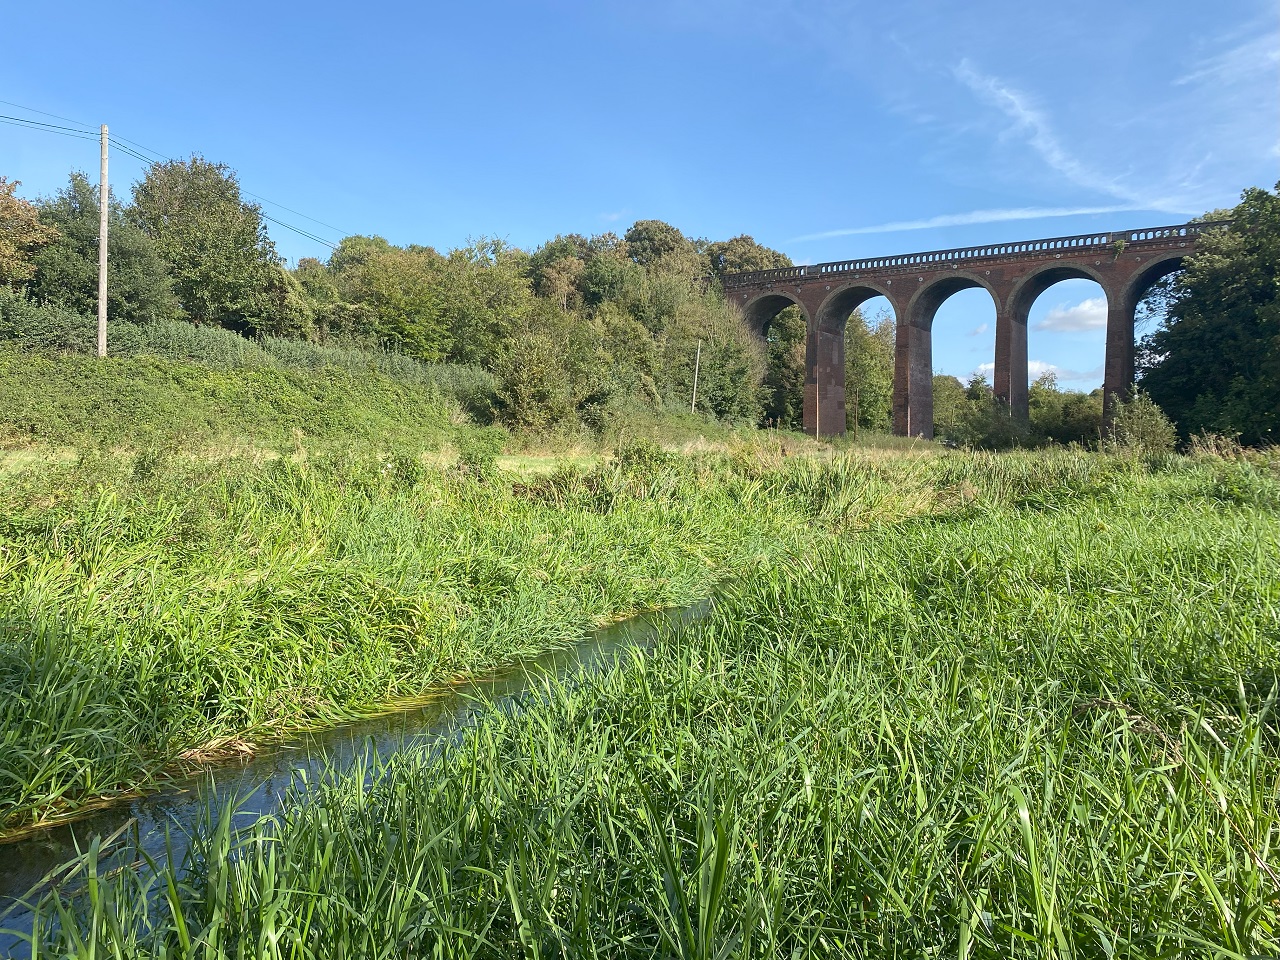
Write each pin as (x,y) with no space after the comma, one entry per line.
(1034,719)
(140,401)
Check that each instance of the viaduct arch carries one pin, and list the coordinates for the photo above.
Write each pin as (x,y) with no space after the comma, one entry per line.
(1124,263)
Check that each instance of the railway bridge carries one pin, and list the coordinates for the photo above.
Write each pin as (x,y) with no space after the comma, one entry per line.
(1124,263)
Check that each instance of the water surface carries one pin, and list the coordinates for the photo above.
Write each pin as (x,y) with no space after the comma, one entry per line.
(262,784)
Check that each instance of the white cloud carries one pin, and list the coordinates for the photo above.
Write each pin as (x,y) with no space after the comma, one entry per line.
(1088,314)
(965,219)
(980,329)
(1038,368)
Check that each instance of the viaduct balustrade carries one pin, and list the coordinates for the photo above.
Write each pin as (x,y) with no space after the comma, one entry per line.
(1124,263)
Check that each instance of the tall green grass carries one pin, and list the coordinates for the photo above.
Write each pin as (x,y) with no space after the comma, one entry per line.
(1032,715)
(153,604)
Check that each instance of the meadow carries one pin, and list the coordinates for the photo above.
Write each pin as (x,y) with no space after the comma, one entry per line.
(959,705)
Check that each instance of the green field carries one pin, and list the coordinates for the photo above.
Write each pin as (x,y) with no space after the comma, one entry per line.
(956,705)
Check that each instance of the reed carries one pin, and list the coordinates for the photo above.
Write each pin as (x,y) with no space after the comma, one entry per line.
(987,706)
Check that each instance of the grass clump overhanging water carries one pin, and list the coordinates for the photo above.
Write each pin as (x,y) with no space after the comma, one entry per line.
(161,607)
(1037,719)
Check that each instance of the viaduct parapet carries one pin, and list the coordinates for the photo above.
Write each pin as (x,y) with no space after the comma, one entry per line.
(1125,264)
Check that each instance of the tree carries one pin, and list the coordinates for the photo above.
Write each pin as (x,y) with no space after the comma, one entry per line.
(949,404)
(732,363)
(215,244)
(783,389)
(649,241)
(740,254)
(868,372)
(22,235)
(139,289)
(399,288)
(484,295)
(1214,364)
(1062,416)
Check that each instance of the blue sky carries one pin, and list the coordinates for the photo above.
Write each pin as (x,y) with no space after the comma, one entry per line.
(828,130)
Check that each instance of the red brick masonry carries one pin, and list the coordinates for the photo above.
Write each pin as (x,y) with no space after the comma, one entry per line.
(1125,264)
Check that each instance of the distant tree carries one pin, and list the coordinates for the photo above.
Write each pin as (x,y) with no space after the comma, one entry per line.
(949,404)
(1062,416)
(649,241)
(280,307)
(608,271)
(868,378)
(484,295)
(783,388)
(732,363)
(214,243)
(399,286)
(1214,363)
(22,235)
(139,288)
(316,281)
(740,254)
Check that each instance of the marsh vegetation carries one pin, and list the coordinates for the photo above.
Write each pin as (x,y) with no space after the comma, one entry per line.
(946,705)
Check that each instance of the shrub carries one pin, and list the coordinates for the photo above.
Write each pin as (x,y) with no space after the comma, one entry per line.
(1139,426)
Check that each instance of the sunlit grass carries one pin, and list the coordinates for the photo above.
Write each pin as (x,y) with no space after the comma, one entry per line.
(987,706)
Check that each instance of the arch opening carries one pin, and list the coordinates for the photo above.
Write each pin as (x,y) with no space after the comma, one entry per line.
(852,378)
(781,324)
(1065,311)
(939,398)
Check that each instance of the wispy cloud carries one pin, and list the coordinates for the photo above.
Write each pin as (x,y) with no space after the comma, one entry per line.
(1088,314)
(1243,62)
(615,216)
(965,219)
(1032,123)
(979,330)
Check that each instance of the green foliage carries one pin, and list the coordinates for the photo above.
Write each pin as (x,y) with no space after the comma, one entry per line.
(44,326)
(478,451)
(741,254)
(22,235)
(214,243)
(732,364)
(783,387)
(868,376)
(237,394)
(1138,425)
(653,243)
(1059,416)
(1214,364)
(139,289)
(949,405)
(1028,711)
(399,287)
(485,294)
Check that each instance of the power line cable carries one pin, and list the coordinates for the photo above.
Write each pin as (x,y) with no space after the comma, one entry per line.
(136,150)
(300,231)
(47,127)
(45,113)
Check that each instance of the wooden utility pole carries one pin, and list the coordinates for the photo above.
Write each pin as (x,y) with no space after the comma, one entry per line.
(697,363)
(104,209)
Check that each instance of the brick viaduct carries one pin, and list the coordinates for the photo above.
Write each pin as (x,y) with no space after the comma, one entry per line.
(1125,264)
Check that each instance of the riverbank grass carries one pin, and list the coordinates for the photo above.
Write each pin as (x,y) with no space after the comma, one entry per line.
(990,706)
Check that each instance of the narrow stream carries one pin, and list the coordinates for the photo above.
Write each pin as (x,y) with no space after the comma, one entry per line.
(262,783)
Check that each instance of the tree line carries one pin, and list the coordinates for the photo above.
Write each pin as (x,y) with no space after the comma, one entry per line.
(585,325)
